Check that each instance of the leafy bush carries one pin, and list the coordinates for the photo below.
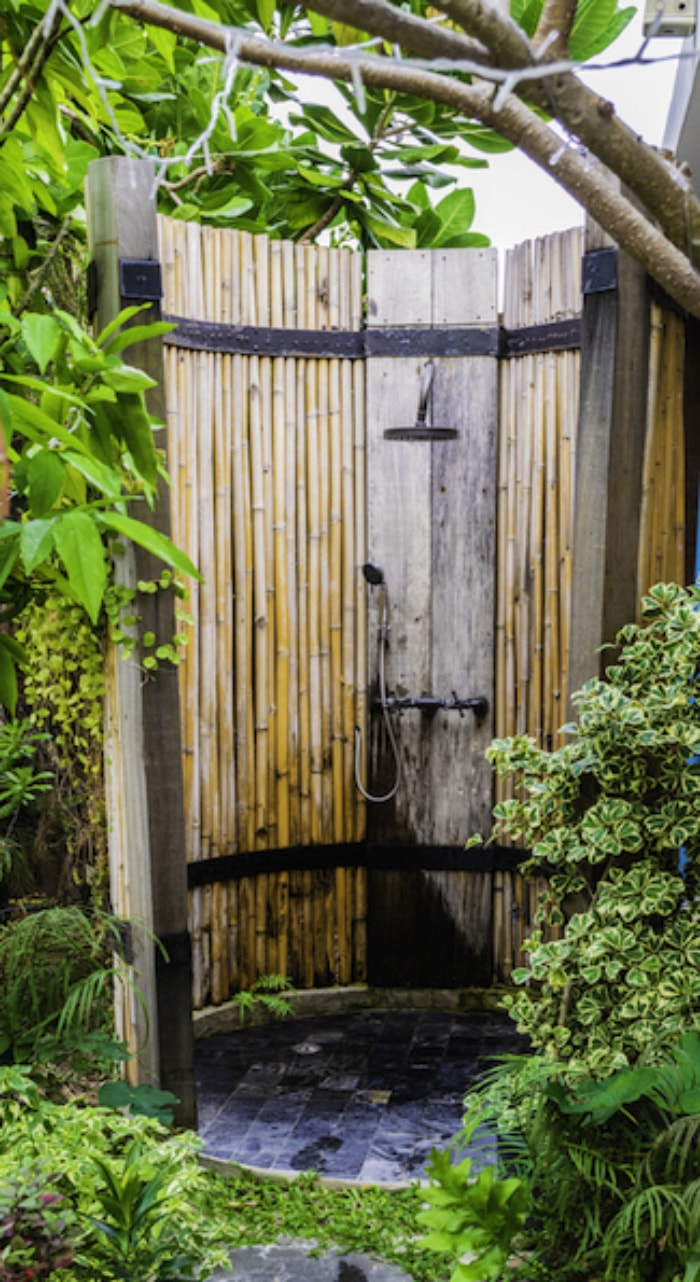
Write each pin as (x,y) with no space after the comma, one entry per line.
(137,1191)
(56,988)
(604,818)
(35,1226)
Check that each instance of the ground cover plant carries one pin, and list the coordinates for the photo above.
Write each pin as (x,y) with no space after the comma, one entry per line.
(598,1126)
(129,1199)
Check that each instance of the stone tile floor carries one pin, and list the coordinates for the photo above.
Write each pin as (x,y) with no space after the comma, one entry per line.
(355,1096)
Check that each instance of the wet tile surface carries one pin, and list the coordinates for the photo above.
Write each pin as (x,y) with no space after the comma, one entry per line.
(359,1096)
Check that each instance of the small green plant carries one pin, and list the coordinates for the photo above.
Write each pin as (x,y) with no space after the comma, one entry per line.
(21,782)
(270,993)
(135,1228)
(36,1227)
(56,983)
(479,1218)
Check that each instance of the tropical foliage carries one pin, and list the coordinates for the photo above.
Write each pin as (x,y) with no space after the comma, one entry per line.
(598,1127)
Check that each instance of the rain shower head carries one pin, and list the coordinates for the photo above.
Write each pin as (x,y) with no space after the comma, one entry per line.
(420,431)
(373,573)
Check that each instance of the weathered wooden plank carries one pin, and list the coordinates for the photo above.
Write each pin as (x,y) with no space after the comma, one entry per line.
(609,465)
(431,522)
(122,221)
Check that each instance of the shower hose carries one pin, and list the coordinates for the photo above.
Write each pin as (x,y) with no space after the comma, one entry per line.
(387,796)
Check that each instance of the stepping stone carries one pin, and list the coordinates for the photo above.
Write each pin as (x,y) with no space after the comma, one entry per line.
(289,1261)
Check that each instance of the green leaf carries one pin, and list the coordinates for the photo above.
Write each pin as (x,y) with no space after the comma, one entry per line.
(137,334)
(81,550)
(105,479)
(152,540)
(128,379)
(597,24)
(45,476)
(41,334)
(36,542)
(405,237)
(324,122)
(456,214)
(8,681)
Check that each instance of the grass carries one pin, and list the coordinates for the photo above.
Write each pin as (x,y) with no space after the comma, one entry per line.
(379,1222)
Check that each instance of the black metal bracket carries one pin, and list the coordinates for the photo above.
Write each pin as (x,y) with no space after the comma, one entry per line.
(429,704)
(174,950)
(140,280)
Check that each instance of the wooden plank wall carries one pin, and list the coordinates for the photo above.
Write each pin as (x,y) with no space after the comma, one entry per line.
(538,415)
(431,526)
(267,462)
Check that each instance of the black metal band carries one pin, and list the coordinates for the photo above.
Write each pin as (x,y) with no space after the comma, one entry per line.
(340,344)
(360,855)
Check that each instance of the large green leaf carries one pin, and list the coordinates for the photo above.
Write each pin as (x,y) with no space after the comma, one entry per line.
(78,544)
(130,417)
(36,542)
(456,214)
(105,479)
(152,540)
(597,24)
(45,476)
(41,334)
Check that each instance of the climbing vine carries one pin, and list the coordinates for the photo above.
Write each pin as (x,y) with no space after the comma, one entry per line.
(63,685)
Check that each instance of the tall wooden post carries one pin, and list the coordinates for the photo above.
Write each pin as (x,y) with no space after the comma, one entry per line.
(609,453)
(147,810)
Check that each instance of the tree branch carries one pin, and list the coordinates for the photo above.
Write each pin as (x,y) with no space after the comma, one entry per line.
(415,35)
(513,120)
(556,21)
(666,193)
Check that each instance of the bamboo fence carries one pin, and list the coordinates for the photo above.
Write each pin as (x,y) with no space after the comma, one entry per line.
(267,465)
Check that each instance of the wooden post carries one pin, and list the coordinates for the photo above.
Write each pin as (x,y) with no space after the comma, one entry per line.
(610,453)
(147,812)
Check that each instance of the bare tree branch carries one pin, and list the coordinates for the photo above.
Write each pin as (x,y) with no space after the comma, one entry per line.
(666,193)
(415,35)
(555,25)
(511,118)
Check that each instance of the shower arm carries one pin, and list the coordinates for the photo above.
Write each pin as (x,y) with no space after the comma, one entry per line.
(429,704)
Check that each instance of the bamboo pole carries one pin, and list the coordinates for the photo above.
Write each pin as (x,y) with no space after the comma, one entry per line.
(324,746)
(335,604)
(260,603)
(243,611)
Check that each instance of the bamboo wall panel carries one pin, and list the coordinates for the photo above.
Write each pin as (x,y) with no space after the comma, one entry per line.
(268,477)
(662,536)
(537,435)
(539,406)
(273,497)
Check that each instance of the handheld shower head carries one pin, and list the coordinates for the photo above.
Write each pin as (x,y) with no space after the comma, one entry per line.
(373,573)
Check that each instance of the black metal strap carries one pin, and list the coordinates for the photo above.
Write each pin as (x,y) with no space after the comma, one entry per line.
(358,855)
(341,344)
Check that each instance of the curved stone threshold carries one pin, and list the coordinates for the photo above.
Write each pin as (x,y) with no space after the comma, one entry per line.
(346,999)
